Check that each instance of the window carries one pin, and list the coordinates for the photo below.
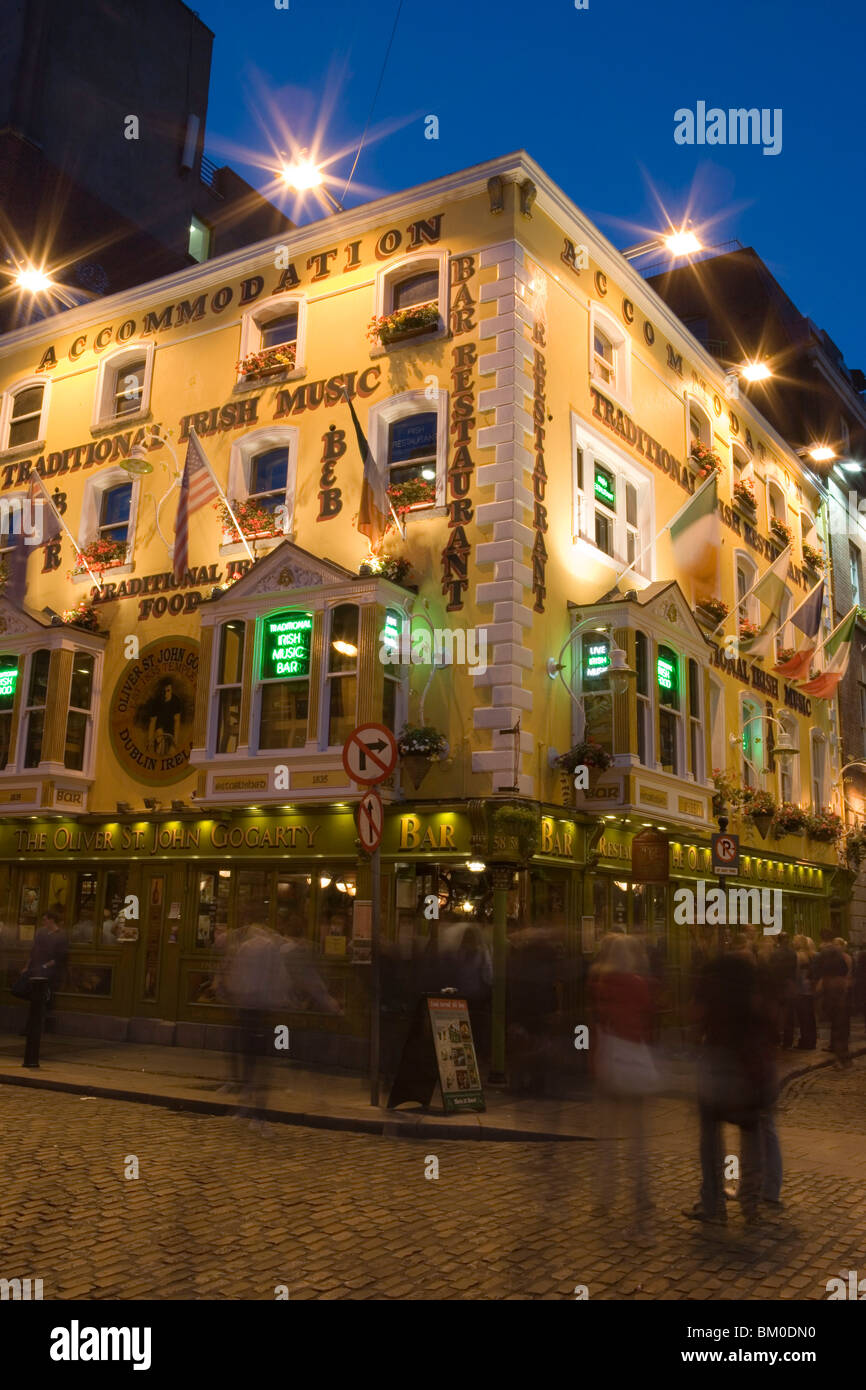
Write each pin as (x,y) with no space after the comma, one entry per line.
(278,332)
(613,503)
(390,647)
(700,426)
(8,683)
(595,687)
(422,288)
(286,649)
(128,387)
(24,414)
(341,693)
(752,743)
(776,502)
(276,323)
(668,683)
(605,358)
(411,282)
(123,384)
(717,725)
(787,784)
(114,513)
(862,689)
(818,753)
(609,359)
(696,738)
(412,449)
(263,470)
(37,694)
(230,669)
(747,575)
(212,918)
(78,715)
(644,704)
(199,245)
(269,474)
(856,573)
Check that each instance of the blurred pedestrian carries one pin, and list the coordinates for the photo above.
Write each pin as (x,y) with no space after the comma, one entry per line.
(531,969)
(805,994)
(734,1079)
(783,966)
(622,1028)
(253,987)
(472,968)
(830,976)
(49,955)
(859,996)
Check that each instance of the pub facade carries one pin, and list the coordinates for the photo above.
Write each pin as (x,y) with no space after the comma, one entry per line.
(172,738)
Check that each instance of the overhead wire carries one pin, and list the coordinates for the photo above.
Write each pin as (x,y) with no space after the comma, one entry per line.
(373,102)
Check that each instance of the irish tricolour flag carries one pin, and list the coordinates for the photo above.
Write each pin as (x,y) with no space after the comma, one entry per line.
(696,534)
(835,654)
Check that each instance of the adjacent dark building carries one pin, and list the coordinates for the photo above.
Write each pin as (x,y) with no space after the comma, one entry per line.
(740,312)
(102,167)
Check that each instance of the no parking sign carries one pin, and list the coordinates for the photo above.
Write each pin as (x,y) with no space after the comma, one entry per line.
(726,854)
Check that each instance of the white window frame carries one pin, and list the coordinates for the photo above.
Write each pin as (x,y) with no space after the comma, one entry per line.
(597,450)
(751,709)
(110,368)
(744,560)
(699,772)
(742,461)
(243,452)
(385,413)
(789,723)
(718,725)
(783,516)
(277,306)
(645,705)
(817,740)
(432,258)
(89,718)
(855,572)
(324,693)
(696,406)
(88,527)
(217,686)
(680,714)
(620,391)
(32,446)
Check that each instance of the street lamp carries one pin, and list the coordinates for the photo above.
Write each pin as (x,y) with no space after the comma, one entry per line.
(677,243)
(617,669)
(33,281)
(783,748)
(138,463)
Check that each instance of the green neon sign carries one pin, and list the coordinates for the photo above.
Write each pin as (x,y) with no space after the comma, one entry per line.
(286,646)
(604,487)
(666,674)
(8,682)
(596,659)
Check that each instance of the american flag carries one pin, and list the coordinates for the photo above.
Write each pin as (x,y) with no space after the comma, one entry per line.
(197,487)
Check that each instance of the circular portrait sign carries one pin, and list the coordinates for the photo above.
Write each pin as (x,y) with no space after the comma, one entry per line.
(152,711)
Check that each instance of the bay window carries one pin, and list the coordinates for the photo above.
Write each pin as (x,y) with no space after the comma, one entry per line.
(230,667)
(595,688)
(284,689)
(668,682)
(341,686)
(8,682)
(644,704)
(37,694)
(79,712)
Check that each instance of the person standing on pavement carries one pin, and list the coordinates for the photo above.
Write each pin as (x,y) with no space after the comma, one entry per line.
(806,1020)
(783,965)
(830,976)
(734,1079)
(253,985)
(49,954)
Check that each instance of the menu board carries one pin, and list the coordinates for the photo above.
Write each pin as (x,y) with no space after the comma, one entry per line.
(459,1077)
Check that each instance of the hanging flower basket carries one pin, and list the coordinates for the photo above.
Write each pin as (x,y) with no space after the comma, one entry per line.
(812,557)
(759,807)
(270,362)
(419,746)
(99,556)
(744,495)
(404,323)
(415,492)
(586,754)
(748,631)
(520,823)
(705,459)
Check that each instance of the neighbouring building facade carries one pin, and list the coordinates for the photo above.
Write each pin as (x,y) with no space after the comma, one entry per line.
(735,306)
(179,744)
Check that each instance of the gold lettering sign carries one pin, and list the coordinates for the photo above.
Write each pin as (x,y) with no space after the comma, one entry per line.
(309,781)
(690,807)
(557,837)
(648,797)
(240,784)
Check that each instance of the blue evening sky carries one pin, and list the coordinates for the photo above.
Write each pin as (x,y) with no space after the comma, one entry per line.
(591,95)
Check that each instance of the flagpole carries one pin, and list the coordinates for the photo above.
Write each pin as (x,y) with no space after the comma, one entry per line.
(226,502)
(667,526)
(814,588)
(397,522)
(749,592)
(79,552)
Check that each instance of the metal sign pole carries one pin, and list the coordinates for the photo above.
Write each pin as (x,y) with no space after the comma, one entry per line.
(375,980)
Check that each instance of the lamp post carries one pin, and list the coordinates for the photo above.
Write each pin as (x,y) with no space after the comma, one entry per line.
(618,670)
(138,463)
(783,749)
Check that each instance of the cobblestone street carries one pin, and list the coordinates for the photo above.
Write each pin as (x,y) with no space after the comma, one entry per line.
(223,1211)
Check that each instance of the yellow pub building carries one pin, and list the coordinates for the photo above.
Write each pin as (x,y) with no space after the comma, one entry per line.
(171,746)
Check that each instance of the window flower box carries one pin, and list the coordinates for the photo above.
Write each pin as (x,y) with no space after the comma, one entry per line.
(404,323)
(748,630)
(790,820)
(825,825)
(780,531)
(98,556)
(710,610)
(393,567)
(258,366)
(744,496)
(706,460)
(256,522)
(83,615)
(812,557)
(416,492)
